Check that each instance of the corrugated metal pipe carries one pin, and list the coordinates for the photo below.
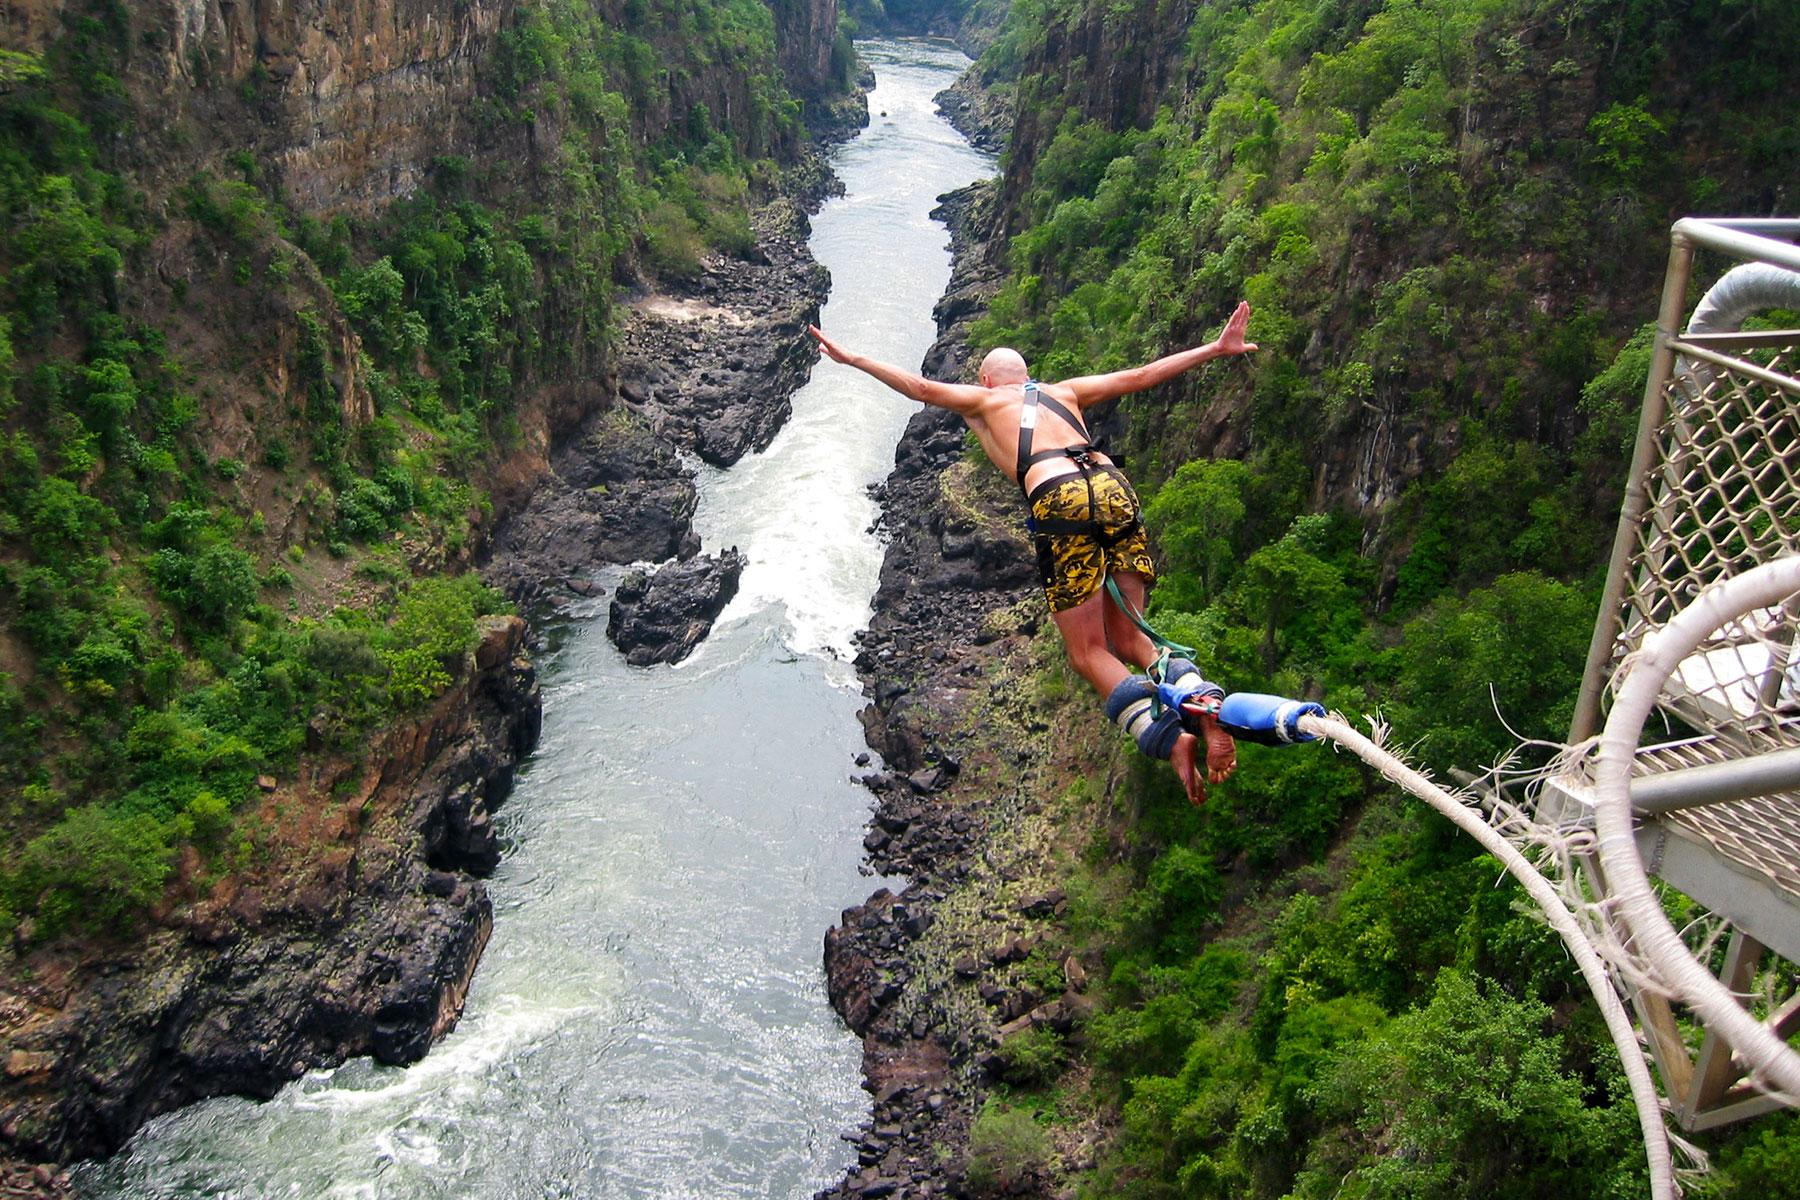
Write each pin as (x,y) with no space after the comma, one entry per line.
(1741,292)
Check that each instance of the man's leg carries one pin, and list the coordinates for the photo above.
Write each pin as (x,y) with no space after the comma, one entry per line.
(1122,634)
(1133,646)
(1084,633)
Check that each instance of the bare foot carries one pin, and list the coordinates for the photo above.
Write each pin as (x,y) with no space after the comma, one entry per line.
(1201,715)
(1182,758)
(1221,750)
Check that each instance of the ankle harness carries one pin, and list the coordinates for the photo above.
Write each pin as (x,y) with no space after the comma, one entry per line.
(1152,713)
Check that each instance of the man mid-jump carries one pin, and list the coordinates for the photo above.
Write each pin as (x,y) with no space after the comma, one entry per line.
(1088,527)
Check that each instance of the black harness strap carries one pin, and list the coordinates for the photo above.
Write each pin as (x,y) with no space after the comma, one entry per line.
(1082,456)
(1028,419)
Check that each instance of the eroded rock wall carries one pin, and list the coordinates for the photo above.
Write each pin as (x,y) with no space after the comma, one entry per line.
(350,100)
(360,940)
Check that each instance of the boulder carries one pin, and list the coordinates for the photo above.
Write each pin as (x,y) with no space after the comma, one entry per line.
(661,617)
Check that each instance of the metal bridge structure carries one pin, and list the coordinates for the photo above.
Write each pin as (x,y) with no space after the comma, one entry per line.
(1682,765)
(1683,790)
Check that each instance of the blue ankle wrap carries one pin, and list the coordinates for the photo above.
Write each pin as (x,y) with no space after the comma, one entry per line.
(1270,720)
(1182,682)
(1132,707)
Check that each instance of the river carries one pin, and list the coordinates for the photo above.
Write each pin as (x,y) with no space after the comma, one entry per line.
(650,1017)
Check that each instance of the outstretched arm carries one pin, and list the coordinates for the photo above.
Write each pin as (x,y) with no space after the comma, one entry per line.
(958,397)
(1092,389)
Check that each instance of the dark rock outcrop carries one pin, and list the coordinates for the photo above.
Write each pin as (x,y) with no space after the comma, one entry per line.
(981,116)
(618,494)
(363,944)
(660,617)
(714,361)
(947,565)
(707,366)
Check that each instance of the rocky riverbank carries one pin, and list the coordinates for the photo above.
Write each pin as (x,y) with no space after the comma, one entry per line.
(707,367)
(943,978)
(353,930)
(981,114)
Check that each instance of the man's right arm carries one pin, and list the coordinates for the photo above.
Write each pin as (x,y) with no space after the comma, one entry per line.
(958,397)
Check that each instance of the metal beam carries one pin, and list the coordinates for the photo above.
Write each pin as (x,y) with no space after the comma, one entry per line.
(1756,339)
(1714,1070)
(1774,379)
(1749,900)
(1715,783)
(1786,1019)
(1744,239)
(1740,1106)
(1766,226)
(1586,722)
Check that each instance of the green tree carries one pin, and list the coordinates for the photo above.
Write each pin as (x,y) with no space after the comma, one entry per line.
(1509,655)
(94,869)
(1470,1097)
(1300,599)
(1196,517)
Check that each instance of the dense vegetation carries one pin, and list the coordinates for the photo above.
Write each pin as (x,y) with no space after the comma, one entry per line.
(1449,216)
(176,619)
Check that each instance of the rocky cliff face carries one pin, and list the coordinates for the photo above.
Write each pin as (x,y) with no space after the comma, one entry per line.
(804,33)
(359,937)
(1108,68)
(349,100)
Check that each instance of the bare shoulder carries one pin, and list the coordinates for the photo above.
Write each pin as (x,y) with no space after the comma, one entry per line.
(1000,405)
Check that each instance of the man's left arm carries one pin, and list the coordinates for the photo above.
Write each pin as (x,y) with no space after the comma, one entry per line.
(1092,389)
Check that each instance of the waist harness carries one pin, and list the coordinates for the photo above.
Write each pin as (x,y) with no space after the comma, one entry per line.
(1081,454)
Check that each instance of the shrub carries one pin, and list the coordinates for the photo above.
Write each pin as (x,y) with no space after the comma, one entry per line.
(365,509)
(61,518)
(93,869)
(671,243)
(1180,896)
(210,587)
(1007,1147)
(1033,1057)
(205,820)
(432,632)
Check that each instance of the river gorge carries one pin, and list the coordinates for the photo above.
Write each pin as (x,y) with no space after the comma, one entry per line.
(650,1019)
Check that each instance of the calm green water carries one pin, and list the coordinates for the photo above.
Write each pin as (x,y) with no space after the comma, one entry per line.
(650,1018)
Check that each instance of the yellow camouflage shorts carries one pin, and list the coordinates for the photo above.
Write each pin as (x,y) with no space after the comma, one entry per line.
(1074,564)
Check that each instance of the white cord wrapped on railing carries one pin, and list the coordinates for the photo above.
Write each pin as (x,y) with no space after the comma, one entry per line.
(1593,969)
(1653,938)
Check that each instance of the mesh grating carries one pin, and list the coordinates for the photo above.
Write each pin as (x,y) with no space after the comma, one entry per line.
(1760,834)
(1723,497)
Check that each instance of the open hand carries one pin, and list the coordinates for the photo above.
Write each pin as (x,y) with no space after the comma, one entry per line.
(832,350)
(1231,338)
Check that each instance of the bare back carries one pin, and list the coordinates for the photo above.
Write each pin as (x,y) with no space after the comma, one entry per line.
(995,422)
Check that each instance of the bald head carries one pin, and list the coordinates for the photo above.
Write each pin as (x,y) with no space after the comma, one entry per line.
(1002,365)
